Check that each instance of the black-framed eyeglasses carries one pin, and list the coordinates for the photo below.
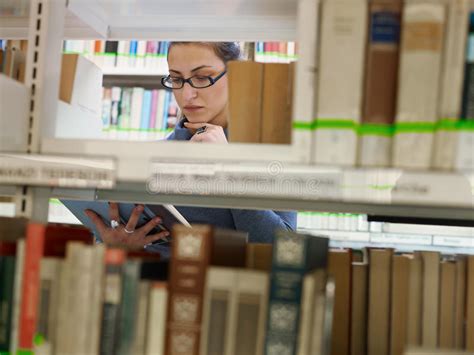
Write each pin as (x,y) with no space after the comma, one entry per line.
(197,81)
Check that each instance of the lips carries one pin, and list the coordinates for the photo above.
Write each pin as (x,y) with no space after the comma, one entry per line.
(192,108)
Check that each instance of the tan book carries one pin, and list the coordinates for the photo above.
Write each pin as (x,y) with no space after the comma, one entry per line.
(415,301)
(359,308)
(249,312)
(470,304)
(141,323)
(245,82)
(339,267)
(307,311)
(460,303)
(318,327)
(399,308)
(450,96)
(340,80)
(259,256)
(447,304)
(421,50)
(381,74)
(276,104)
(430,310)
(380,272)
(96,298)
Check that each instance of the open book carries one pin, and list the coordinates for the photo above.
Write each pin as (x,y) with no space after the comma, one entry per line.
(168,214)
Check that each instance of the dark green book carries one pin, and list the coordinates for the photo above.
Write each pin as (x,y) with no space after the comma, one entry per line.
(7,276)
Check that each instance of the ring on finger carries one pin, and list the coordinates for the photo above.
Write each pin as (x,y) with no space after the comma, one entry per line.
(201,130)
(128,231)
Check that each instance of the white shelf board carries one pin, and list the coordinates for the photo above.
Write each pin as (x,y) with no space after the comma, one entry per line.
(118,71)
(192,19)
(16,27)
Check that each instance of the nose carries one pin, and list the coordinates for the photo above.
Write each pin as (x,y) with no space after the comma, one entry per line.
(189,92)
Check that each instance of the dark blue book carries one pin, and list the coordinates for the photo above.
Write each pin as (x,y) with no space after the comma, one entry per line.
(294,255)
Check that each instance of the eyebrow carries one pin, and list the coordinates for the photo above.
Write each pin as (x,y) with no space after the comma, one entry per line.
(192,71)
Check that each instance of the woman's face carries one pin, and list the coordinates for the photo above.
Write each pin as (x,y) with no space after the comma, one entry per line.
(207,105)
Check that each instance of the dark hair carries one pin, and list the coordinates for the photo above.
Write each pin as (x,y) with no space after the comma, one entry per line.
(226,51)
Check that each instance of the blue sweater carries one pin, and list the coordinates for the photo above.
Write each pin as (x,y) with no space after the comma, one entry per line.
(260,225)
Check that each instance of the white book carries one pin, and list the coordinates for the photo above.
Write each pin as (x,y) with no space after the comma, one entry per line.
(423,26)
(444,152)
(306,319)
(136,112)
(141,325)
(141,52)
(155,338)
(17,293)
(340,82)
(305,78)
(122,54)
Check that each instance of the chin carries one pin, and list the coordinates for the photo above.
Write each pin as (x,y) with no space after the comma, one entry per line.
(193,118)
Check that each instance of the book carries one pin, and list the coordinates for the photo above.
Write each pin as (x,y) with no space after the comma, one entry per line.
(276,104)
(304,92)
(470,304)
(168,214)
(191,252)
(381,73)
(467,108)
(321,304)
(460,302)
(7,280)
(294,255)
(380,276)
(340,81)
(430,310)
(415,301)
(399,303)
(447,304)
(259,256)
(423,27)
(245,82)
(359,304)
(112,299)
(20,261)
(450,96)
(339,267)
(158,300)
(141,326)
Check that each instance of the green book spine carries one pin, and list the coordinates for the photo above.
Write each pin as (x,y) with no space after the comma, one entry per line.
(7,276)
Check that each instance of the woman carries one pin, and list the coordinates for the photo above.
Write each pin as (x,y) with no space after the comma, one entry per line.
(199,83)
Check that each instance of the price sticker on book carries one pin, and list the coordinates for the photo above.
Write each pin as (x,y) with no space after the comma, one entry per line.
(46,170)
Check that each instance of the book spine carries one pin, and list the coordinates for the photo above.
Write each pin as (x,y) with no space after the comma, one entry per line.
(293,255)
(19,267)
(155,340)
(423,27)
(35,236)
(154,109)
(470,304)
(359,304)
(7,276)
(459,336)
(340,82)
(141,326)
(128,309)
(415,301)
(447,304)
(468,87)
(191,250)
(145,114)
(114,260)
(378,333)
(380,81)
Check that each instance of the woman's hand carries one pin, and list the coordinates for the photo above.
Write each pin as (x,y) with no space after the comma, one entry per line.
(212,133)
(126,235)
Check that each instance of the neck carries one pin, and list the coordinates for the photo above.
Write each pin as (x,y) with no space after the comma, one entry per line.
(220,119)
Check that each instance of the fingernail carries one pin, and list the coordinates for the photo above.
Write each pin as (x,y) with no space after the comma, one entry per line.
(140,208)
(157,220)
(167,234)
(185,123)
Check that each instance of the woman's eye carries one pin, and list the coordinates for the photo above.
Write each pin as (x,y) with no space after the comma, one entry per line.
(175,80)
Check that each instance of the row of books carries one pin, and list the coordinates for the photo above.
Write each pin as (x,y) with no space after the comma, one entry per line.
(220,295)
(386,301)
(137,113)
(122,54)
(275,52)
(64,295)
(392,69)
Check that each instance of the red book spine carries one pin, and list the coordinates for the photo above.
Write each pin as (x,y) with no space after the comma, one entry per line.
(35,235)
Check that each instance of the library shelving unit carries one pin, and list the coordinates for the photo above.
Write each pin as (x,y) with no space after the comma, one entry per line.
(233,175)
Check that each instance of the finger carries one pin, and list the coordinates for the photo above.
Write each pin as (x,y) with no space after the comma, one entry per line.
(114,211)
(198,137)
(154,237)
(132,222)
(99,224)
(198,125)
(147,228)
